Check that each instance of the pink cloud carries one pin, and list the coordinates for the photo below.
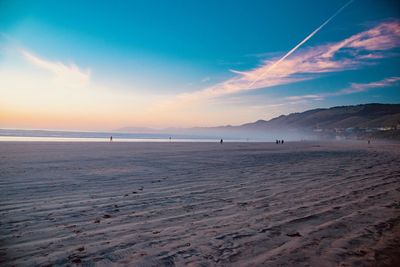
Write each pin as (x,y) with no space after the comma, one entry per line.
(71,73)
(384,36)
(362,87)
(354,88)
(351,53)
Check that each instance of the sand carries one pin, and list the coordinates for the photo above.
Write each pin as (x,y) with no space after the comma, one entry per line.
(199,204)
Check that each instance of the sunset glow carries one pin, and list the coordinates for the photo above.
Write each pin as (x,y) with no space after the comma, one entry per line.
(62,74)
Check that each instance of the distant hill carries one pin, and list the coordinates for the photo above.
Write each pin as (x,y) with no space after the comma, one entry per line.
(377,121)
(359,116)
(366,119)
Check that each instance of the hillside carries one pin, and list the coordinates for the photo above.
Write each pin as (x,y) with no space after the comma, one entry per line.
(360,121)
(359,116)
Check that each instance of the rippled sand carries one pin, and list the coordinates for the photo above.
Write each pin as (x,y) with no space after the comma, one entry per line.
(199,204)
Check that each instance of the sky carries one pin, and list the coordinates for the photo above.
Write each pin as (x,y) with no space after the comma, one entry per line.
(105,65)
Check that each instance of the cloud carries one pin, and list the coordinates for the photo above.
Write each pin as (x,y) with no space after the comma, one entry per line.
(70,74)
(306,97)
(353,88)
(362,87)
(351,53)
(206,79)
(253,82)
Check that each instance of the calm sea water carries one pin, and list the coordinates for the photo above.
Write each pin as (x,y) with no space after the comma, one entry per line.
(97,139)
(10,135)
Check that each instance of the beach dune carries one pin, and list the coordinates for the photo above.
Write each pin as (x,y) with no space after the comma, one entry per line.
(199,204)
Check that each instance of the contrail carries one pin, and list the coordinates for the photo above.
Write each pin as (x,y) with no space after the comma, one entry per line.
(299,44)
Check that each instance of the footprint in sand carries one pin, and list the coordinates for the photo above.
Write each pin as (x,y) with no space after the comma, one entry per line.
(293,234)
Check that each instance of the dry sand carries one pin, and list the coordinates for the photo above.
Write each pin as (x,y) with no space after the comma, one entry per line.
(199,204)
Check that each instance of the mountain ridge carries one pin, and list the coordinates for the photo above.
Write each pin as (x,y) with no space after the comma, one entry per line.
(327,121)
(370,115)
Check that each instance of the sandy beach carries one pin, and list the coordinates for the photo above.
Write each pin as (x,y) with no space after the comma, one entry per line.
(199,204)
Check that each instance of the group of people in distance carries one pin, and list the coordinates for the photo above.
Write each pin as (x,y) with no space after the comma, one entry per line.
(222,141)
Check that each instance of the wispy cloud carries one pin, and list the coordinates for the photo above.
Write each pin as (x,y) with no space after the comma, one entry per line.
(362,87)
(353,88)
(352,53)
(70,74)
(277,62)
(206,79)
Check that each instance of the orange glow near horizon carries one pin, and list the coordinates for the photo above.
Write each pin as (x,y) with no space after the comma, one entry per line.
(56,96)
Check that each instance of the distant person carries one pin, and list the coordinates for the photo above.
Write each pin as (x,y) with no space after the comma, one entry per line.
(111,138)
(222,141)
(282,141)
(277,141)
(369,141)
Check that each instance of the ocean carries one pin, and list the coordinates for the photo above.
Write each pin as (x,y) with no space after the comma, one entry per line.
(14,135)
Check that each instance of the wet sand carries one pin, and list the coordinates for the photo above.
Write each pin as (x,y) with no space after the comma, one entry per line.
(199,204)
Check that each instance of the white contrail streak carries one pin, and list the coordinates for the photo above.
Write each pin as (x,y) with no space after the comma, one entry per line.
(299,44)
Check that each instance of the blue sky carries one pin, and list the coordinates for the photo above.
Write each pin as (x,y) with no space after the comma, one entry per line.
(189,63)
